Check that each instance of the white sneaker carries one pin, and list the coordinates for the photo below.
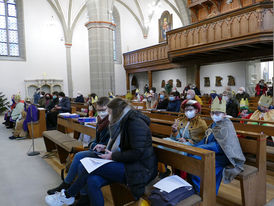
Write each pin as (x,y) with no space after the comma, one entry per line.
(59,199)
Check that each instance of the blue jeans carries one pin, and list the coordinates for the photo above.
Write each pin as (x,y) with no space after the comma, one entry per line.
(105,175)
(73,169)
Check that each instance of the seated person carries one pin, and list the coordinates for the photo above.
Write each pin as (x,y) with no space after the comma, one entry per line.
(245,113)
(61,107)
(231,104)
(93,98)
(212,96)
(190,94)
(42,100)
(152,98)
(30,113)
(102,138)
(221,138)
(54,101)
(190,128)
(193,87)
(36,96)
(174,103)
(241,94)
(263,112)
(16,112)
(79,98)
(130,146)
(162,101)
(8,114)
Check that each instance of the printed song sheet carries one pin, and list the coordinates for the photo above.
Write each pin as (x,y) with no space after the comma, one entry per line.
(92,164)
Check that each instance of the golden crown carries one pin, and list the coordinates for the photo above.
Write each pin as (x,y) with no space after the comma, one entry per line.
(218,106)
(265,101)
(244,103)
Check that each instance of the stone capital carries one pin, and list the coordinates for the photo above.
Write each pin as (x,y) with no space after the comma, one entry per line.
(100,24)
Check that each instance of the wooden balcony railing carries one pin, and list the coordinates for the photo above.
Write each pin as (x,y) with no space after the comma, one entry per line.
(146,56)
(243,26)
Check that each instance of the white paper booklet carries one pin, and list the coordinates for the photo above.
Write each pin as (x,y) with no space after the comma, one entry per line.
(171,183)
(92,164)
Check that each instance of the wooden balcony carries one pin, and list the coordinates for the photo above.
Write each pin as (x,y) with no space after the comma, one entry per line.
(246,33)
(146,57)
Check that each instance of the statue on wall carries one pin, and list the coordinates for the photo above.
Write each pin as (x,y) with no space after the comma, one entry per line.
(178,83)
(163,84)
(218,82)
(206,82)
(169,86)
(231,81)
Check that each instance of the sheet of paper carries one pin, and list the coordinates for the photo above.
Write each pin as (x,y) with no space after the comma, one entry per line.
(171,183)
(92,164)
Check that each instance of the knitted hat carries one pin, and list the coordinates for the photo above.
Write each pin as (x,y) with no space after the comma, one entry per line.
(193,103)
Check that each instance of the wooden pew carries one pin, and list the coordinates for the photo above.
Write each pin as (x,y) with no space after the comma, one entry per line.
(253,179)
(139,105)
(79,106)
(204,168)
(61,141)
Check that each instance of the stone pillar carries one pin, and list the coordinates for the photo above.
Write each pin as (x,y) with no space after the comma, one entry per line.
(69,73)
(100,34)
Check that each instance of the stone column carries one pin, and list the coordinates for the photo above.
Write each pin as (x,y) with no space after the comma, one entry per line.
(69,72)
(100,34)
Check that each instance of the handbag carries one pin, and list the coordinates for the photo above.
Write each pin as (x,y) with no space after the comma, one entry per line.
(162,198)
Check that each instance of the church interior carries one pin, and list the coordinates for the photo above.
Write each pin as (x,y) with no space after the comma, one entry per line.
(196,76)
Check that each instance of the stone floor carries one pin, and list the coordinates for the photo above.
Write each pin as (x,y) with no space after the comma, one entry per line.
(24,179)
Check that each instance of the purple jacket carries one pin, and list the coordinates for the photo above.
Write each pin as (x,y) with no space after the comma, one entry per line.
(32,115)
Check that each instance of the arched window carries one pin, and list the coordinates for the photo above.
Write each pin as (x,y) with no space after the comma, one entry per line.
(117,54)
(11,34)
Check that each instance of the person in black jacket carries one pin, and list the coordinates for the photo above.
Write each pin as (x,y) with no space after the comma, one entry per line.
(163,101)
(62,106)
(101,140)
(232,105)
(79,98)
(130,146)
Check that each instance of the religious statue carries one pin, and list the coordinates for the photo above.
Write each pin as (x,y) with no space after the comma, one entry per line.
(163,84)
(206,82)
(231,81)
(218,82)
(165,24)
(178,83)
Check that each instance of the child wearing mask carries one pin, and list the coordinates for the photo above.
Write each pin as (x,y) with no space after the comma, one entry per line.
(174,102)
(190,128)
(221,138)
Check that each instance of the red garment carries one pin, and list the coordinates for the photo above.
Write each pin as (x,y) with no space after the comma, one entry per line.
(258,89)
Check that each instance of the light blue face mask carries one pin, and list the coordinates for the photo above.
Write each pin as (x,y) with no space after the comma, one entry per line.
(216,118)
(171,98)
(162,96)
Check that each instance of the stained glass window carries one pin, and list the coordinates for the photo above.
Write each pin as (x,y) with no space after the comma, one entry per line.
(9,40)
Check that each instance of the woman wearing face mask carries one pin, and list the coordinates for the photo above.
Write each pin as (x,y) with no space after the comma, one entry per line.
(221,138)
(152,99)
(190,128)
(163,101)
(130,146)
(231,104)
(101,140)
(241,94)
(174,103)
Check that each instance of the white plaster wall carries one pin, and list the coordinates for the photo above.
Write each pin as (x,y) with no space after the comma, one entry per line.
(166,75)
(236,69)
(120,79)
(142,79)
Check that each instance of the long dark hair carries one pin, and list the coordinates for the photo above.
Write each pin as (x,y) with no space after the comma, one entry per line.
(117,106)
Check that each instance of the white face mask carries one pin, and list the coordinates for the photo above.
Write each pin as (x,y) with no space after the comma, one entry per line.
(60,99)
(190,114)
(217,118)
(151,91)
(240,92)
(188,96)
(103,114)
